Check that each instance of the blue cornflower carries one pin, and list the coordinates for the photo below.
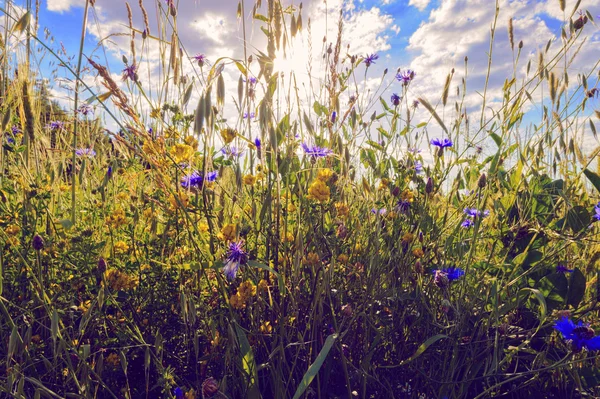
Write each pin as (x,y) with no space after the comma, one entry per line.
(453,273)
(580,335)
(85,152)
(396,99)
(178,393)
(403,206)
(418,167)
(236,257)
(406,76)
(109,172)
(252,115)
(196,180)
(15,130)
(232,151)
(597,210)
(56,125)
(200,59)
(85,109)
(560,268)
(475,213)
(467,223)
(333,116)
(257,143)
(442,143)
(316,151)
(370,59)
(130,72)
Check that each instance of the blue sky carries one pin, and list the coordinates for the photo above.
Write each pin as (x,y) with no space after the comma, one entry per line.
(428,36)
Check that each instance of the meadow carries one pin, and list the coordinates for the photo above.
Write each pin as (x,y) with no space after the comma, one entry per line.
(383,246)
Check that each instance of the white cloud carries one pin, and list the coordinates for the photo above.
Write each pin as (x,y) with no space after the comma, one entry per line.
(420,4)
(63,5)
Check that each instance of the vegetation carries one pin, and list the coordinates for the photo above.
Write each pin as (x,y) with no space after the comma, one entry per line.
(306,249)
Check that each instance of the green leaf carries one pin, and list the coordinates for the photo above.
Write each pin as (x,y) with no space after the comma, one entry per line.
(497,139)
(316,366)
(420,350)
(593,178)
(248,363)
(577,283)
(540,297)
(578,218)
(554,287)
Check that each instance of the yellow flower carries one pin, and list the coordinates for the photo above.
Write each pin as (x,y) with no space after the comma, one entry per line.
(291,208)
(117,219)
(343,259)
(183,198)
(247,290)
(289,237)
(155,113)
(118,280)
(408,237)
(228,232)
(342,209)
(237,302)
(121,247)
(384,183)
(418,252)
(249,180)
(191,141)
(319,191)
(202,227)
(358,247)
(266,327)
(324,175)
(312,259)
(181,153)
(228,135)
(263,285)
(407,195)
(12,230)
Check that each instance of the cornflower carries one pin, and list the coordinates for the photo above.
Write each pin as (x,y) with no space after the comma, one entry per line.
(130,72)
(236,257)
(396,99)
(560,268)
(580,335)
(597,211)
(406,76)
(370,59)
(85,152)
(316,151)
(441,143)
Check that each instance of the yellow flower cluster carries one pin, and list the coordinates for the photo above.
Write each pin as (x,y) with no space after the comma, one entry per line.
(228,233)
(228,135)
(118,280)
(12,230)
(384,183)
(342,209)
(408,238)
(312,259)
(181,153)
(418,252)
(266,327)
(117,219)
(121,247)
(319,191)
(245,291)
(191,141)
(324,175)
(407,195)
(249,180)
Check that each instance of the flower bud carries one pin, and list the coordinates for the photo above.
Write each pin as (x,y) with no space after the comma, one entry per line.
(482,182)
(419,267)
(37,243)
(101,266)
(441,279)
(342,231)
(210,387)
(347,310)
(429,186)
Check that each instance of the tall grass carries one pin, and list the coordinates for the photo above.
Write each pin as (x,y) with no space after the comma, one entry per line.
(158,263)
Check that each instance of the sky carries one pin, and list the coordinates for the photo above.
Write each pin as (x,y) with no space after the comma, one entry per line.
(431,37)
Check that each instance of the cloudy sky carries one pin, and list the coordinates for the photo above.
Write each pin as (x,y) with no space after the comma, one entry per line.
(428,36)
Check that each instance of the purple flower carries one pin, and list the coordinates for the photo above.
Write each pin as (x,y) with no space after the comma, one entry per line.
(252,115)
(396,99)
(442,143)
(196,180)
(316,151)
(178,393)
(236,257)
(418,167)
(56,125)
(232,151)
(379,212)
(15,130)
(85,109)
(130,72)
(580,335)
(370,59)
(200,59)
(85,152)
(109,172)
(406,76)
(447,275)
(560,268)
(415,104)
(257,143)
(467,223)
(597,210)
(475,213)
(333,116)
(403,206)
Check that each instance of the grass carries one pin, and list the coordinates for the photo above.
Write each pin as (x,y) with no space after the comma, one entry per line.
(158,263)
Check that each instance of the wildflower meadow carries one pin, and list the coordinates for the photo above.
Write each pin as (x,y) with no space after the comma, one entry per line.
(176,224)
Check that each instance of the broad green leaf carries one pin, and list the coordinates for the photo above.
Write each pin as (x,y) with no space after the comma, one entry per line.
(316,366)
(248,363)
(593,178)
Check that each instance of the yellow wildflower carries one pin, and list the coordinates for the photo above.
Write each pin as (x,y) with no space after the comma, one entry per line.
(183,198)
(263,285)
(384,183)
(312,258)
(228,135)
(266,327)
(407,196)
(202,227)
(191,141)
(12,230)
(237,302)
(181,153)
(342,209)
(121,247)
(228,232)
(408,237)
(343,259)
(418,252)
(249,180)
(247,290)
(118,280)
(319,191)
(291,208)
(155,113)
(324,175)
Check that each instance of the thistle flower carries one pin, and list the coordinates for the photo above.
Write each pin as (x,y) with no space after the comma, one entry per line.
(597,211)
(580,335)
(396,99)
(37,243)
(560,268)
(370,59)
(441,143)
(406,76)
(85,152)
(236,257)
(316,151)
(130,72)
